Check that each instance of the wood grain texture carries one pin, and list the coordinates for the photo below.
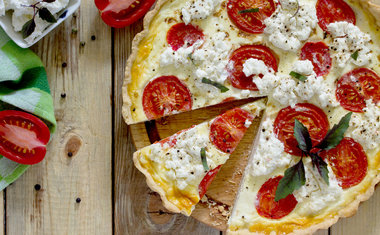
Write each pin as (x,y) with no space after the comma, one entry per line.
(84,129)
(137,209)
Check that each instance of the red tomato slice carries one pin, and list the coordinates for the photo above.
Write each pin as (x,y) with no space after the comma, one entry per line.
(265,204)
(238,58)
(330,11)
(228,129)
(206,181)
(23,137)
(319,55)
(309,115)
(348,162)
(181,34)
(165,95)
(121,13)
(354,87)
(250,22)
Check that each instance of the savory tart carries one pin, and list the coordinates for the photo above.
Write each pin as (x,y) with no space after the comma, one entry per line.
(317,154)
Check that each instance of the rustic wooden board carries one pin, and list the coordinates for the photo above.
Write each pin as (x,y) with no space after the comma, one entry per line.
(84,74)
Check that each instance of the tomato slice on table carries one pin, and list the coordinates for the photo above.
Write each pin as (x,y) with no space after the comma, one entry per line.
(265,204)
(251,22)
(228,129)
(354,87)
(181,34)
(23,137)
(165,95)
(314,119)
(206,181)
(348,162)
(238,58)
(121,13)
(330,11)
(319,55)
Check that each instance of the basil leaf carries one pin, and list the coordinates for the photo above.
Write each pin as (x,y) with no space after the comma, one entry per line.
(215,84)
(250,10)
(302,136)
(321,166)
(45,14)
(293,179)
(28,28)
(204,159)
(336,134)
(355,55)
(298,76)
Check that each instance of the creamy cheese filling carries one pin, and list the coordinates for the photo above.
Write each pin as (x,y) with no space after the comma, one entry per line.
(291,24)
(365,127)
(316,193)
(269,153)
(348,39)
(21,13)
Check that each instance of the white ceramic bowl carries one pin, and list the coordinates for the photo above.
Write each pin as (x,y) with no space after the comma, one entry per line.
(6,24)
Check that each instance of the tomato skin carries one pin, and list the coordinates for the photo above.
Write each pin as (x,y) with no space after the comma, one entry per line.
(124,17)
(16,126)
(265,204)
(238,58)
(348,162)
(330,11)
(354,87)
(180,33)
(250,22)
(207,180)
(310,115)
(319,55)
(228,129)
(164,95)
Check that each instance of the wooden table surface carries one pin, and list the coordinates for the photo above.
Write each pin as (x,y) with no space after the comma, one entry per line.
(88,182)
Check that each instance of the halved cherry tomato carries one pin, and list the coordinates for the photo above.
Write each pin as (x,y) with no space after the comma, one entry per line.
(309,115)
(238,58)
(181,34)
(165,95)
(354,87)
(330,11)
(206,181)
(228,129)
(250,22)
(121,13)
(265,204)
(319,55)
(348,162)
(23,137)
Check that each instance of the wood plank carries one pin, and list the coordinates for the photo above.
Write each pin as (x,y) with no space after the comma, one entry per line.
(83,130)
(365,221)
(136,207)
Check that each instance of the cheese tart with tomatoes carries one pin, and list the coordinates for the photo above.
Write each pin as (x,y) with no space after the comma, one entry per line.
(181,167)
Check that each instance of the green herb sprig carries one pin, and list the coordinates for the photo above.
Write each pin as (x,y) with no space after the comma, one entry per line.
(44,13)
(355,55)
(298,76)
(294,177)
(204,159)
(250,10)
(215,84)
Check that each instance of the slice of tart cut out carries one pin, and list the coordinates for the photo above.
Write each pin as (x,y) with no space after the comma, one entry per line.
(181,167)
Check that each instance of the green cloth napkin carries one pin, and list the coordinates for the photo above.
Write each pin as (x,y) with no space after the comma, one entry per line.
(23,85)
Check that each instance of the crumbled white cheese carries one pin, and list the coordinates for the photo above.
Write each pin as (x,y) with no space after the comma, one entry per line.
(287,28)
(180,57)
(254,66)
(304,67)
(21,13)
(347,39)
(247,123)
(198,9)
(269,154)
(316,194)
(365,127)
